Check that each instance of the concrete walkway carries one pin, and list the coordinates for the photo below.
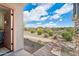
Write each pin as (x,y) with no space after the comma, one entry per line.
(19,53)
(31,46)
(46,50)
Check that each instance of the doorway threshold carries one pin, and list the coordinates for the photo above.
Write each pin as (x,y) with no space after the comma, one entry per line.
(4,51)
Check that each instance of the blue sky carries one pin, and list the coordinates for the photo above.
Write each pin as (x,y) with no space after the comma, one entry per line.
(48,15)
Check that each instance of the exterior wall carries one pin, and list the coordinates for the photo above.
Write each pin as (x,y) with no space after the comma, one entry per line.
(18,14)
(18,25)
(76,13)
(76,20)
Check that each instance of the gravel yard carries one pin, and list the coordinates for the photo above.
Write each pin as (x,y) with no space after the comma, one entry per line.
(31,46)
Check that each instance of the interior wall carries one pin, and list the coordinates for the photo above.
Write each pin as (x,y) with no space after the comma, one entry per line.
(2,12)
(1,21)
(1,28)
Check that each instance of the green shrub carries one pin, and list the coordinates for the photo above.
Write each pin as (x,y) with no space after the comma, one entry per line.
(49,32)
(55,37)
(39,31)
(70,30)
(67,36)
(32,30)
(62,28)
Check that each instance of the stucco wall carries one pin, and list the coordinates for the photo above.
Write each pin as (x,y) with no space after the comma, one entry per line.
(18,14)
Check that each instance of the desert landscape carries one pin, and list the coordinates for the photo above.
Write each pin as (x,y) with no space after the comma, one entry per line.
(63,37)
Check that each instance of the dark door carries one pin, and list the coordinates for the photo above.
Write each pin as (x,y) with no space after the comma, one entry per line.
(7,29)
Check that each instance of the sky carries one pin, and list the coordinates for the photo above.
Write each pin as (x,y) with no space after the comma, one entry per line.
(48,15)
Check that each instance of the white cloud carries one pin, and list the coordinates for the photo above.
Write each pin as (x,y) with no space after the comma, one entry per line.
(39,23)
(33,3)
(35,14)
(26,15)
(60,19)
(50,25)
(44,18)
(65,9)
(46,6)
(29,25)
(50,22)
(56,16)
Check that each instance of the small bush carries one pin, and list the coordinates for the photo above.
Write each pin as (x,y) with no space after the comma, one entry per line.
(32,30)
(55,37)
(67,36)
(70,30)
(62,28)
(39,31)
(49,32)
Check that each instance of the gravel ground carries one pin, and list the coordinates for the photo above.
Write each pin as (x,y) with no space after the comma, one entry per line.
(31,46)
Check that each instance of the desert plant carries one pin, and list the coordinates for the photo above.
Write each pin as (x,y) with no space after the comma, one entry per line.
(55,37)
(49,32)
(39,41)
(67,36)
(62,28)
(39,31)
(71,30)
(46,31)
(32,31)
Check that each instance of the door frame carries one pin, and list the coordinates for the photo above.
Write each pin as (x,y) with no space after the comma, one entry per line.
(12,25)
